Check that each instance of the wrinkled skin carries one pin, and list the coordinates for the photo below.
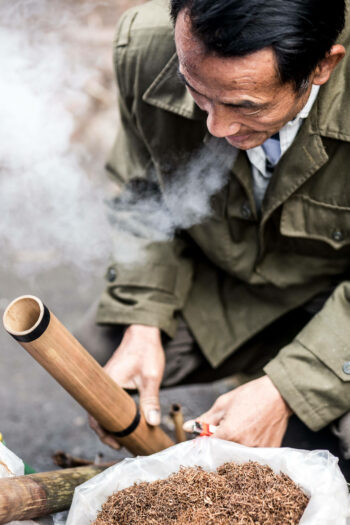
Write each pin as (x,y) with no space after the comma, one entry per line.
(243,96)
(253,414)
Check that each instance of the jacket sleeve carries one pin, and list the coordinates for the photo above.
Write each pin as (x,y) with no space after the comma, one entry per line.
(313,372)
(151,273)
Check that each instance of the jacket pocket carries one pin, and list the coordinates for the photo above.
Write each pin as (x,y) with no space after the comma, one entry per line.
(303,217)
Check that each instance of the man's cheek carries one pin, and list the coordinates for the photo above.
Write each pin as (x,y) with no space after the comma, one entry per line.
(268,123)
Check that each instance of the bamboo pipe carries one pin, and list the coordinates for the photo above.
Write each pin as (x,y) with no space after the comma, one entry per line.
(36,495)
(29,321)
(178,418)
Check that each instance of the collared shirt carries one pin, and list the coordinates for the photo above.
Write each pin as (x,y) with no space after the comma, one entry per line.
(272,150)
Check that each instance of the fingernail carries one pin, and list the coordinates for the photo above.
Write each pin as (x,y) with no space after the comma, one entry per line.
(188,425)
(153,417)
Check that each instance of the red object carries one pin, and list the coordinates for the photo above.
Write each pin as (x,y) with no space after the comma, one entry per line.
(206,430)
(203,429)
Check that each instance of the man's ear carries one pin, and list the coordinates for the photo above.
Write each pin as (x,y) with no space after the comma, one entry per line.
(326,67)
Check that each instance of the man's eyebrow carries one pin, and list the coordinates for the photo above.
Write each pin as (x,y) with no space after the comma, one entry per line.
(242,104)
(184,81)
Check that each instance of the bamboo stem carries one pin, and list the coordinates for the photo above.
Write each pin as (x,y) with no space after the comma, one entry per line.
(55,348)
(178,418)
(36,495)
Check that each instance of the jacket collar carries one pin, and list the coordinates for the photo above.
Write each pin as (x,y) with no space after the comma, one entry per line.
(168,92)
(330,115)
(332,105)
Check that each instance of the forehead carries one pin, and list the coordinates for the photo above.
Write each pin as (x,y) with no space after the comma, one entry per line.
(253,73)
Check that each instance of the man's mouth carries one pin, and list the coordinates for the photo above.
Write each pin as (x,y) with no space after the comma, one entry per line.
(238,139)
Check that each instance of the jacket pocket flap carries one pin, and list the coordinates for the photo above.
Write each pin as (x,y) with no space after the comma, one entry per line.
(304,217)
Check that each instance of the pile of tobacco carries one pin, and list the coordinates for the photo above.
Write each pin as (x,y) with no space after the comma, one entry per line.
(235,494)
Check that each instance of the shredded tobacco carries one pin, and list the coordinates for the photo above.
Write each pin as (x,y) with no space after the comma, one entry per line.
(246,494)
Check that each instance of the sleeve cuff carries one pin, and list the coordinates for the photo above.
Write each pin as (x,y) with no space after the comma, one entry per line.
(311,389)
(283,381)
(111,314)
(313,372)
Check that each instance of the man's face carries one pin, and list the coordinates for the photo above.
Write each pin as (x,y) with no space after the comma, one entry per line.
(243,96)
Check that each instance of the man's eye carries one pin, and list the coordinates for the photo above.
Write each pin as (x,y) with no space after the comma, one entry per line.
(249,112)
(195,92)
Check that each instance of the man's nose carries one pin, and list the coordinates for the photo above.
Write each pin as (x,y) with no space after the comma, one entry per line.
(222,123)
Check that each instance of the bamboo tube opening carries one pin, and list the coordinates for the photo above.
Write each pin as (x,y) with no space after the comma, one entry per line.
(23,315)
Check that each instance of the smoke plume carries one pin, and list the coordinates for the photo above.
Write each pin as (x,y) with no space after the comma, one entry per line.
(50,211)
(142,214)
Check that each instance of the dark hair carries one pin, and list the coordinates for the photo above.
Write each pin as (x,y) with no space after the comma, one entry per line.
(301,32)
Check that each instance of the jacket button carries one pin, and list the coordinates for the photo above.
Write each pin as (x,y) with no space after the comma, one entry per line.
(246,211)
(111,274)
(346,367)
(337,236)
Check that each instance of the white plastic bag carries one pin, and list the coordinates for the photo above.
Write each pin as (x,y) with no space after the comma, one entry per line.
(316,472)
(10,464)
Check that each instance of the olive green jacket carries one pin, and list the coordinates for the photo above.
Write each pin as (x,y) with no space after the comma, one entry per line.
(234,273)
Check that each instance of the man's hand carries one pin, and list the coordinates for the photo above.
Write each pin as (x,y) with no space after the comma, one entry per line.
(254,414)
(138,363)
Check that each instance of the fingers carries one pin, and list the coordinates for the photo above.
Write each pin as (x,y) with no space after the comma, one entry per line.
(188,425)
(104,436)
(151,409)
(149,401)
(138,363)
(213,416)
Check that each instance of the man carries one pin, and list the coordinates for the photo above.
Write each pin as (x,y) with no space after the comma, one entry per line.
(269,81)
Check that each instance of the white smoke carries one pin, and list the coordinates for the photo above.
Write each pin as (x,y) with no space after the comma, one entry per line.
(50,211)
(141,216)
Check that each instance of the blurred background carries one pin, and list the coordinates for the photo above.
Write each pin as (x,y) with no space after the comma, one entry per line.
(58,121)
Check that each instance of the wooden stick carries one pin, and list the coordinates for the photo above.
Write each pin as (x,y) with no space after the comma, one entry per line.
(55,348)
(35,495)
(178,418)
(64,460)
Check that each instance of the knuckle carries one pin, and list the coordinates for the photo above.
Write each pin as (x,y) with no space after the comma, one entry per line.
(222,400)
(152,376)
(150,400)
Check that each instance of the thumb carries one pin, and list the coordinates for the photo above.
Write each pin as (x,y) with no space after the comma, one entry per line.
(149,401)
(212,417)
(188,425)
